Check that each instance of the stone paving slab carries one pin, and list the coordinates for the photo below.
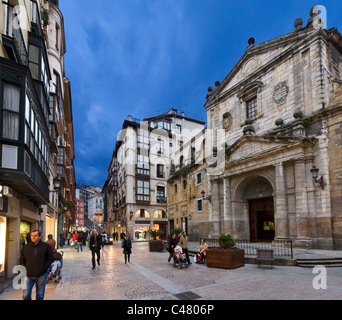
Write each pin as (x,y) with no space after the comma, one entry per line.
(149,276)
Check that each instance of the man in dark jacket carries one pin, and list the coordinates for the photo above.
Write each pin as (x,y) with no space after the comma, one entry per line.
(127,248)
(95,247)
(36,257)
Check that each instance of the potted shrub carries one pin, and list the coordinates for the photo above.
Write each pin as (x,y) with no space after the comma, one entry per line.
(227,255)
(154,244)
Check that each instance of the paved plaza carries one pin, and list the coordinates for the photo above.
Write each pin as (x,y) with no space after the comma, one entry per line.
(149,276)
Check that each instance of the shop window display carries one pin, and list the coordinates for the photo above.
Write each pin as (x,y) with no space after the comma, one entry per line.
(25,230)
(141,233)
(2,243)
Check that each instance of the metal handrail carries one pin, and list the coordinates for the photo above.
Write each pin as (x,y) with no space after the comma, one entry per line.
(281,248)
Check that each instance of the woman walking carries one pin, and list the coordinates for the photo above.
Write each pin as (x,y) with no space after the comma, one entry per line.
(127,248)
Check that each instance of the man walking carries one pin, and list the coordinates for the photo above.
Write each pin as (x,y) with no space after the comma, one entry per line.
(127,248)
(36,257)
(79,241)
(95,247)
(183,242)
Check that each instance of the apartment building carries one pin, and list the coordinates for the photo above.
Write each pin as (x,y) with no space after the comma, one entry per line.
(60,214)
(29,145)
(189,204)
(136,186)
(93,205)
(24,139)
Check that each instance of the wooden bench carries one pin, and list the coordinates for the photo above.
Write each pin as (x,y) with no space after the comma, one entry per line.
(265,256)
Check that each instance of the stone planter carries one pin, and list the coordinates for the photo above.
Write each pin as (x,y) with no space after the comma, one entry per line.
(226,259)
(156,246)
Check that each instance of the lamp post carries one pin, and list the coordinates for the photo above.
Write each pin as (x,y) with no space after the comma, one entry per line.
(57,182)
(320,181)
(204,197)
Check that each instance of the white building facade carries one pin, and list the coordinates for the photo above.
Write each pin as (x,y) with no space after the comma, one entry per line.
(139,169)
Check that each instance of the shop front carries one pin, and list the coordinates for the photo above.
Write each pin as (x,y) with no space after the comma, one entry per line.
(51,221)
(51,225)
(141,231)
(119,228)
(3,227)
(162,226)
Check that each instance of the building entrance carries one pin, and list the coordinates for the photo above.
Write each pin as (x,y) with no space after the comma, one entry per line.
(261,219)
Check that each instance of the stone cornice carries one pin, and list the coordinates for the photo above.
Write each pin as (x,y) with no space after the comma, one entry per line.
(218,96)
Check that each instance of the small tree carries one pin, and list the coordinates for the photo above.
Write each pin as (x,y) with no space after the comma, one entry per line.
(226,241)
(154,234)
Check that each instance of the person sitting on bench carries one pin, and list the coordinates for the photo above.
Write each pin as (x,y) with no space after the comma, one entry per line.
(202,252)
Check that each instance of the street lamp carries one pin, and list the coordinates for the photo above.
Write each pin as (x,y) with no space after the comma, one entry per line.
(205,198)
(57,182)
(131,215)
(320,181)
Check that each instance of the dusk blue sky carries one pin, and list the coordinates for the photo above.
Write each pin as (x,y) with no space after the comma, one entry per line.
(140,57)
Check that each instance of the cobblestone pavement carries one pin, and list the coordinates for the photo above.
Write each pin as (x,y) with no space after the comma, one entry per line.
(149,276)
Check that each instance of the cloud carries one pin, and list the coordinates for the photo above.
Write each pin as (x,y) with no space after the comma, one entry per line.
(135,57)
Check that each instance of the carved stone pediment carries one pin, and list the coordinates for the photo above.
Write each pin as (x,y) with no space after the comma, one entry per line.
(255,147)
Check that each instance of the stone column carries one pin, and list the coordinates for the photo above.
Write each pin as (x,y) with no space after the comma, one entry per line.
(302,214)
(281,213)
(227,206)
(215,223)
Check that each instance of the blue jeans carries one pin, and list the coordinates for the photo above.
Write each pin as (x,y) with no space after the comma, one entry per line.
(79,245)
(40,283)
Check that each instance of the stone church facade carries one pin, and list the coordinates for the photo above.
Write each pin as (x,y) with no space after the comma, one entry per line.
(275,119)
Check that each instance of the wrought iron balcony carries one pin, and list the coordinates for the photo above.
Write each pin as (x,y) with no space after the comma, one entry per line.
(161,175)
(161,199)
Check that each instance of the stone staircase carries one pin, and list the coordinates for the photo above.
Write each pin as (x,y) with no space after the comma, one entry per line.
(325,262)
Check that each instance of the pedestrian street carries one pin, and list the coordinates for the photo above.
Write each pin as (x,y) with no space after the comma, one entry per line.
(149,276)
